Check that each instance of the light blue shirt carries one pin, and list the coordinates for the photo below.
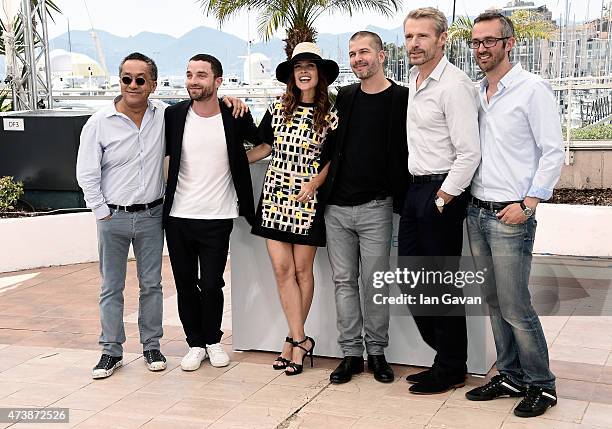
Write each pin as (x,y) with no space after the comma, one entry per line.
(520,139)
(118,163)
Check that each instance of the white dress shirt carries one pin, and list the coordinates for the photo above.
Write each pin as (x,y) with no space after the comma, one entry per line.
(205,189)
(520,138)
(119,163)
(442,126)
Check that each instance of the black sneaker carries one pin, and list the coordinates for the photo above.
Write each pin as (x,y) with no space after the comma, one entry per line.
(498,387)
(155,360)
(536,402)
(107,365)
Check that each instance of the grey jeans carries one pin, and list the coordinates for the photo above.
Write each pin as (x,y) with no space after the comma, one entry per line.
(144,231)
(358,242)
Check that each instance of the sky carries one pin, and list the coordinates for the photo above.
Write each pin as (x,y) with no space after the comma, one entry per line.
(177,17)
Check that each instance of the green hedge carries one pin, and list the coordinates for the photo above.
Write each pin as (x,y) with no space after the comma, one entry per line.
(599,132)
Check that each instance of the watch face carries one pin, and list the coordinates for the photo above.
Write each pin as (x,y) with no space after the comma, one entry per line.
(440,202)
(527,211)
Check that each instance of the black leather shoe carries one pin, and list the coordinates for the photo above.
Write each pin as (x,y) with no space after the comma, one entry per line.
(349,366)
(437,384)
(419,376)
(536,402)
(381,369)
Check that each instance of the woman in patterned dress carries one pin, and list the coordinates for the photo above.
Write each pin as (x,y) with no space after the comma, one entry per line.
(294,130)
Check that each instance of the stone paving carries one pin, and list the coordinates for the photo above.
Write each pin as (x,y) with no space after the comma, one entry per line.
(48,344)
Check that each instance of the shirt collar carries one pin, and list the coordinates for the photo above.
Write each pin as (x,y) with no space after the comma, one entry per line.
(436,74)
(111,109)
(508,78)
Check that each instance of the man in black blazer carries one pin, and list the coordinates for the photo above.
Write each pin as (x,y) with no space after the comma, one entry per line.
(366,181)
(209,184)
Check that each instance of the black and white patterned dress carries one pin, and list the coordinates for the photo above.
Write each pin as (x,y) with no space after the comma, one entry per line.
(297,157)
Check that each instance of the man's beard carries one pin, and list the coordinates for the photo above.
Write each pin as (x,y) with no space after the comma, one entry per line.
(200,94)
(426,56)
(368,72)
(493,62)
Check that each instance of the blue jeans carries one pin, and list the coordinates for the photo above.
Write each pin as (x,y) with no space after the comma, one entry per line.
(506,251)
(358,242)
(144,231)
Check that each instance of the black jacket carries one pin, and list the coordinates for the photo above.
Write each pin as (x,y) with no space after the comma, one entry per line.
(397,146)
(237,130)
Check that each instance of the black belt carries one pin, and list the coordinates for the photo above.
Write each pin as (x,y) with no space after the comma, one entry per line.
(381,196)
(427,178)
(136,207)
(491,205)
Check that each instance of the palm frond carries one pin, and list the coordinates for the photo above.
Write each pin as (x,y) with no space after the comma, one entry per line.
(461,29)
(383,7)
(6,103)
(51,8)
(297,16)
(269,21)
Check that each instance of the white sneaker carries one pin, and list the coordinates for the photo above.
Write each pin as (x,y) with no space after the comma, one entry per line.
(193,359)
(217,355)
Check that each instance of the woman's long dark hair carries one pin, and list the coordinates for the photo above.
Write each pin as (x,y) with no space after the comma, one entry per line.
(322,104)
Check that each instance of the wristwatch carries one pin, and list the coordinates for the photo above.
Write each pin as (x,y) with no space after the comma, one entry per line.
(527,211)
(439,202)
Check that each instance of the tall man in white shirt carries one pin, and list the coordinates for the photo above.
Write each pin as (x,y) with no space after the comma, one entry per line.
(443,148)
(120,169)
(522,156)
(209,184)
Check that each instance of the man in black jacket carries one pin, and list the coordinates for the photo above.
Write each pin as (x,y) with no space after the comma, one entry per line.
(365,182)
(209,184)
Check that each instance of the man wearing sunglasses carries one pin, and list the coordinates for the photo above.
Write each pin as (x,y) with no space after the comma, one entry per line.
(120,169)
(522,156)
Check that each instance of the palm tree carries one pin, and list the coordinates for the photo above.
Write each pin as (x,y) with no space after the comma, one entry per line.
(461,29)
(527,25)
(297,16)
(530,25)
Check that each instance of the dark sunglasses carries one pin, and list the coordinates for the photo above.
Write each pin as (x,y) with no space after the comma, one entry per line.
(127,80)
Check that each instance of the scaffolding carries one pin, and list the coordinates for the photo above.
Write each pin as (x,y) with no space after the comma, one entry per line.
(27,51)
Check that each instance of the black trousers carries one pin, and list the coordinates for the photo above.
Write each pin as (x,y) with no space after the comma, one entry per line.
(193,242)
(432,240)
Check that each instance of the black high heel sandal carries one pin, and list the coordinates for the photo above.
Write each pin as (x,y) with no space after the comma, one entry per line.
(296,367)
(283,362)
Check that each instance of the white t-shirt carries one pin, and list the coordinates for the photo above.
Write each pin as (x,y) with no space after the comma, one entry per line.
(205,189)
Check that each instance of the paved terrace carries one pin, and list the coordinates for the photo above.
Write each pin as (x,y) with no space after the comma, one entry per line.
(48,345)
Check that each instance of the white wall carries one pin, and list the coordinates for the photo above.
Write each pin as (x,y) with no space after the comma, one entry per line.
(71,238)
(47,240)
(575,230)
(44,241)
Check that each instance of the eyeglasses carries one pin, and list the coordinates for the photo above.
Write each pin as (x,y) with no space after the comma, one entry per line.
(489,42)
(127,80)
